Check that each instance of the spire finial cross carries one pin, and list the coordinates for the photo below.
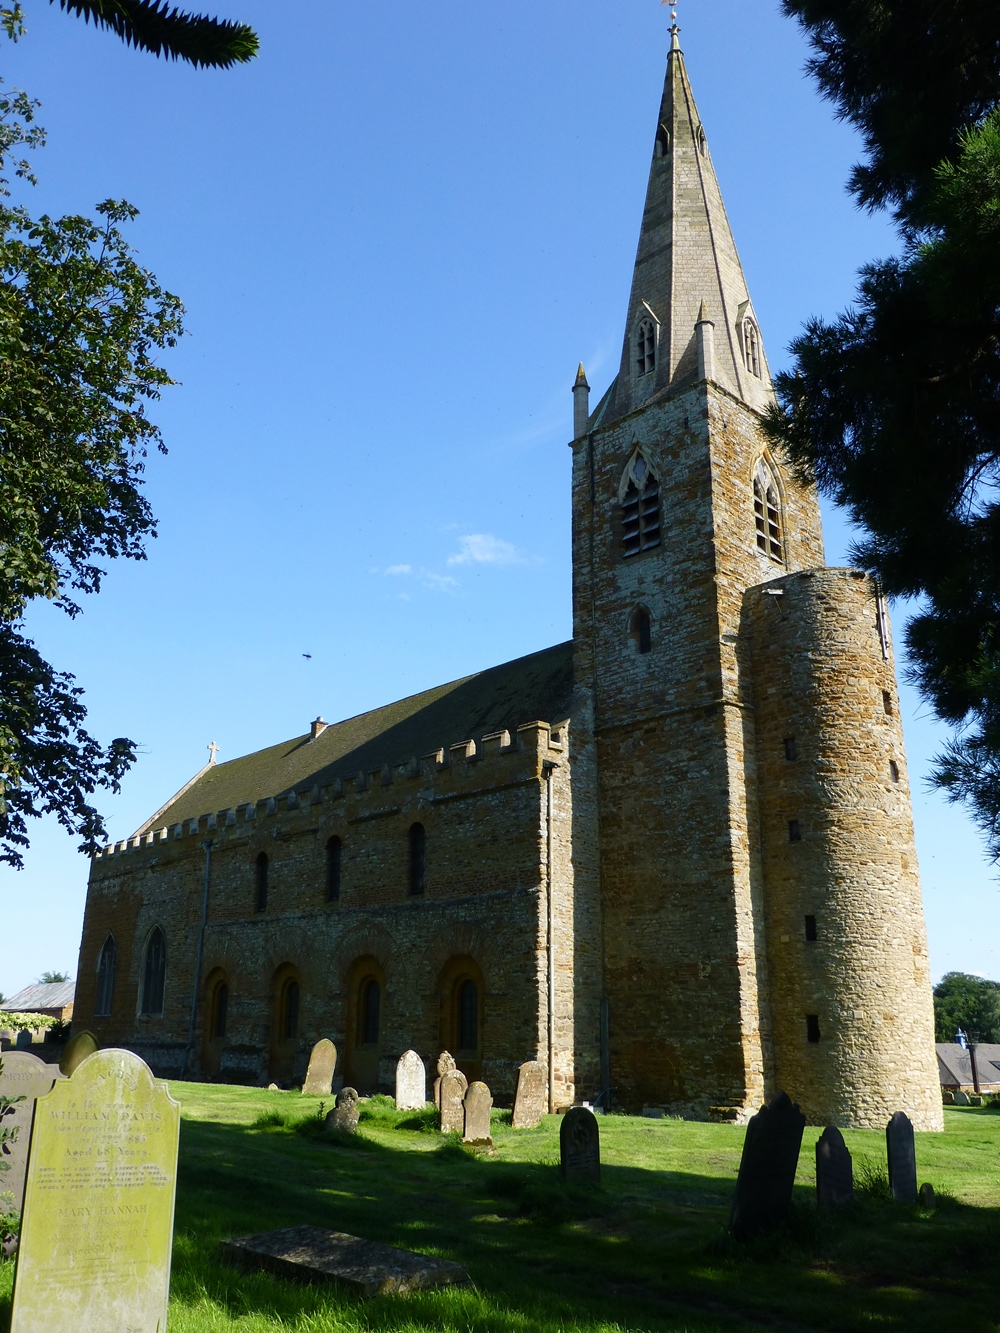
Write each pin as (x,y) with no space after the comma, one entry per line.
(213,750)
(674,30)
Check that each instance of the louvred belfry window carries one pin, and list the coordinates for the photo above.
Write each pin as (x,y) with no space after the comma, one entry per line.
(640,508)
(767,516)
(645,347)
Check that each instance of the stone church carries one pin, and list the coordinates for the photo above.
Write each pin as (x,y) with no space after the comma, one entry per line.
(672,859)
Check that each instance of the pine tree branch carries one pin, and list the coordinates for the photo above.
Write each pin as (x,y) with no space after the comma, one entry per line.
(152,25)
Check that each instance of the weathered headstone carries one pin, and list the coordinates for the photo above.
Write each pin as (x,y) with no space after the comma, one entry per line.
(344,1115)
(454,1086)
(445,1065)
(926,1197)
(529,1100)
(834,1170)
(477,1103)
(97,1227)
(411,1082)
(902,1158)
(580,1146)
(23,1042)
(767,1168)
(322,1063)
(76,1050)
(21,1075)
(961,1098)
(310,1254)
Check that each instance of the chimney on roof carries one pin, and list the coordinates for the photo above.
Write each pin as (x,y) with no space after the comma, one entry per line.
(317,728)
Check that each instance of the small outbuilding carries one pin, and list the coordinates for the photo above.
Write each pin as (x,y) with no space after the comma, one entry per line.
(957,1071)
(54,998)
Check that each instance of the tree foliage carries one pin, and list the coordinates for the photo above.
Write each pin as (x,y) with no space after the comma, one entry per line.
(80,325)
(894,406)
(966,1002)
(152,25)
(49,978)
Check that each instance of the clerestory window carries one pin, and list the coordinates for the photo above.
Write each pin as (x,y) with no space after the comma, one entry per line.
(767,515)
(645,347)
(640,501)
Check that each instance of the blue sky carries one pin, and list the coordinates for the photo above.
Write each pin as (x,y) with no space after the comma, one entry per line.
(396,233)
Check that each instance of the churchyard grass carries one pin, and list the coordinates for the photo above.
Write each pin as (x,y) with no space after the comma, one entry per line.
(647,1251)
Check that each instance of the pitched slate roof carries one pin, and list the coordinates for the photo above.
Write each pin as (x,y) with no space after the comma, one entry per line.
(529,689)
(46,995)
(955,1067)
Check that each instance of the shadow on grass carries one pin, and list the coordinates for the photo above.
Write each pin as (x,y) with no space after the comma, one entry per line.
(648,1251)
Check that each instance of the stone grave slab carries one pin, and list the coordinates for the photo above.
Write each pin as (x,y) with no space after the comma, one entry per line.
(961,1098)
(530,1099)
(76,1050)
(310,1254)
(411,1082)
(834,1170)
(344,1115)
(21,1075)
(580,1147)
(23,1040)
(902,1158)
(454,1086)
(478,1101)
(767,1168)
(322,1062)
(926,1197)
(98,1220)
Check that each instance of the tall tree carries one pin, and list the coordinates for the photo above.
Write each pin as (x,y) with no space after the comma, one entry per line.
(894,406)
(80,325)
(966,1002)
(153,26)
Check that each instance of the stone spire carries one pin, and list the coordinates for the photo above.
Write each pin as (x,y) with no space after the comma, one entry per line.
(687,276)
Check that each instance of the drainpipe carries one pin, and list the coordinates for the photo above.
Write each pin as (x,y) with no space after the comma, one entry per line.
(975,1071)
(207,848)
(551,960)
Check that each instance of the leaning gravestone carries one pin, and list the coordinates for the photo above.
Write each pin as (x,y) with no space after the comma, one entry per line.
(445,1065)
(834,1170)
(322,1063)
(529,1100)
(76,1051)
(478,1101)
(902,1158)
(411,1082)
(344,1115)
(98,1219)
(454,1086)
(580,1146)
(767,1168)
(21,1075)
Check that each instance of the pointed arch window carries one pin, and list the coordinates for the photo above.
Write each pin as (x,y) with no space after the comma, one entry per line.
(154,975)
(261,870)
(750,338)
(107,969)
(333,857)
(767,514)
(639,493)
(369,1012)
(641,630)
(418,858)
(645,347)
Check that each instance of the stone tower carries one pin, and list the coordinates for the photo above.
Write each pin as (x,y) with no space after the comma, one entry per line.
(762,922)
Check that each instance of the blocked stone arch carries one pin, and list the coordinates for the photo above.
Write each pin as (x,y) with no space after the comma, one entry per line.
(371,941)
(469,941)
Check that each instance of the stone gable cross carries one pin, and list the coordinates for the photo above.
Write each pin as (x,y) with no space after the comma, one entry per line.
(213,750)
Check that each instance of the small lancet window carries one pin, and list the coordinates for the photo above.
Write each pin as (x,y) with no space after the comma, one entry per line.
(154,974)
(107,968)
(751,346)
(418,859)
(333,859)
(261,881)
(640,630)
(645,347)
(767,514)
(640,500)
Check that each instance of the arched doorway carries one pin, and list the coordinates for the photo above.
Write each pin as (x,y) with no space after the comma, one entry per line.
(462,995)
(286,1011)
(365,1023)
(216,1021)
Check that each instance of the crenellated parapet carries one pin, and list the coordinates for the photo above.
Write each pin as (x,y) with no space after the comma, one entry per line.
(463,769)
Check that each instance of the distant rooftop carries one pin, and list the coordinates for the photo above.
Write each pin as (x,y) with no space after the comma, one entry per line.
(46,995)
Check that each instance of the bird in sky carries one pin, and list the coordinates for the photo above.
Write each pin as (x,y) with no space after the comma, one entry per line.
(309,655)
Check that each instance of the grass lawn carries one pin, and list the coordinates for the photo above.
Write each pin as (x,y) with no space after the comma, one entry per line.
(648,1251)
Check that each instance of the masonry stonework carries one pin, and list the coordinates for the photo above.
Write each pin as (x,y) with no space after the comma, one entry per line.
(671,860)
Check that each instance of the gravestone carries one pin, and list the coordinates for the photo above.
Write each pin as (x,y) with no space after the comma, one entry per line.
(366,1267)
(445,1065)
(902,1158)
(98,1221)
(477,1103)
(23,1042)
(76,1051)
(961,1098)
(926,1197)
(454,1086)
(530,1098)
(767,1168)
(21,1075)
(344,1115)
(580,1146)
(411,1082)
(322,1063)
(834,1170)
